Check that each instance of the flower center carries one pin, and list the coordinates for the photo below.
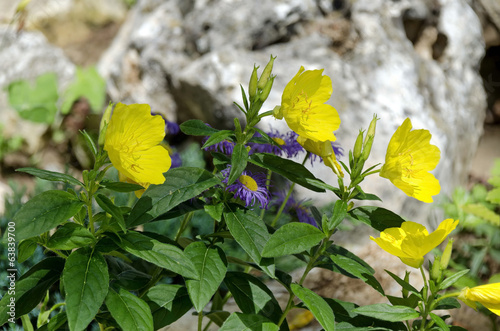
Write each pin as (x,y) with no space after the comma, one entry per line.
(249,182)
(279,141)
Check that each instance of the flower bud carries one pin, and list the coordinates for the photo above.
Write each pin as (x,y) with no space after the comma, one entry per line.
(436,271)
(267,88)
(252,85)
(266,74)
(445,259)
(358,145)
(103,126)
(277,113)
(370,135)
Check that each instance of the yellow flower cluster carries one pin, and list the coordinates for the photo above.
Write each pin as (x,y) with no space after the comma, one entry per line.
(412,241)
(133,138)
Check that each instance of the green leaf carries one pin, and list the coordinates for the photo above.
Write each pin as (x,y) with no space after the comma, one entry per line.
(168,303)
(439,322)
(387,312)
(163,255)
(57,321)
(109,207)
(483,212)
(35,103)
(211,265)
(404,284)
(250,231)
(452,279)
(339,250)
(289,169)
(25,249)
(252,296)
(248,322)
(339,213)
(377,217)
(30,288)
(239,159)
(88,84)
(357,270)
(180,184)
(317,305)
(120,186)
(411,301)
(130,312)
(70,236)
(217,137)
(218,317)
(292,238)
(215,211)
(493,196)
(44,212)
(86,281)
(448,303)
(51,175)
(197,128)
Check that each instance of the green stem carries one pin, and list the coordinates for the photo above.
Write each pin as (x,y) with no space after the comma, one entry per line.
(282,207)
(200,320)
(448,295)
(268,182)
(184,224)
(57,252)
(425,294)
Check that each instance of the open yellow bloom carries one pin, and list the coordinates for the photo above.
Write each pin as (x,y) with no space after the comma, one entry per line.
(488,295)
(411,241)
(303,106)
(324,150)
(133,140)
(409,158)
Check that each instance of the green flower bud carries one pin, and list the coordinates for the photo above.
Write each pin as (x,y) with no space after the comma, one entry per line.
(436,271)
(266,74)
(267,88)
(370,135)
(358,145)
(277,113)
(103,126)
(407,280)
(252,85)
(445,259)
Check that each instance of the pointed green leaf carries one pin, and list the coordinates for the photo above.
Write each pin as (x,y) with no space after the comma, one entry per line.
(168,303)
(30,288)
(25,249)
(44,212)
(239,159)
(215,211)
(211,265)
(317,305)
(439,322)
(377,217)
(357,270)
(109,207)
(494,196)
(51,175)
(218,317)
(252,296)
(163,255)
(130,312)
(292,238)
(294,171)
(250,231)
(197,128)
(387,312)
(180,184)
(217,137)
(404,284)
(248,322)
(70,236)
(452,279)
(86,281)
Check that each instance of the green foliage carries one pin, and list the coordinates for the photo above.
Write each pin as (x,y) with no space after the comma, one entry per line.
(87,84)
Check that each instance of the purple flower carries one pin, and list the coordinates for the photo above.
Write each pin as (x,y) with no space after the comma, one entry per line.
(224,146)
(250,188)
(287,141)
(176,160)
(172,127)
(297,210)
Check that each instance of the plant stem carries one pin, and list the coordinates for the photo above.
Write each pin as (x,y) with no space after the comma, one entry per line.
(184,223)
(425,294)
(200,320)
(268,182)
(278,214)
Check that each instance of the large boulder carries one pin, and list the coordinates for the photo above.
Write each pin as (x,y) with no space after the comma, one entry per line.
(398,59)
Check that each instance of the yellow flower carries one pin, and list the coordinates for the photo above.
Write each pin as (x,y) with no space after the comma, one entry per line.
(324,150)
(409,158)
(411,241)
(133,140)
(488,295)
(303,106)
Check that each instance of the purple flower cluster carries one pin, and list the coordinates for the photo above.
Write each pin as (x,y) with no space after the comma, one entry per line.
(296,209)
(287,142)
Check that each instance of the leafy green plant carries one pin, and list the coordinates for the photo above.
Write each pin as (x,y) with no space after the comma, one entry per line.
(115,269)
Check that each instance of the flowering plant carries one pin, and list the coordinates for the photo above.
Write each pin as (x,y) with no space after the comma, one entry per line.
(114,274)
